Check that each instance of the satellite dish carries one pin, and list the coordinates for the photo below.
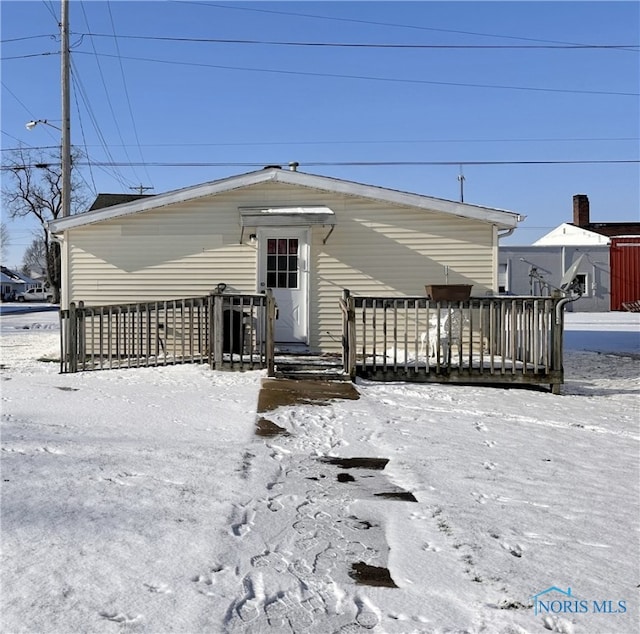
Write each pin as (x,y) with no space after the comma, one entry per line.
(568,283)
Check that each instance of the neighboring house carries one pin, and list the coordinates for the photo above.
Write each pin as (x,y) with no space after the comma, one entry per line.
(307,237)
(13,283)
(582,224)
(538,270)
(609,271)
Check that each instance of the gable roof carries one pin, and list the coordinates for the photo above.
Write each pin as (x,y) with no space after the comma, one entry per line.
(503,219)
(10,276)
(109,200)
(568,234)
(613,229)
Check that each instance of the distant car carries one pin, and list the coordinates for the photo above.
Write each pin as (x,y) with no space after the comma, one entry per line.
(39,294)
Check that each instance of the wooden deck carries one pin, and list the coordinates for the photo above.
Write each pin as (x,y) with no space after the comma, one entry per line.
(482,340)
(485,340)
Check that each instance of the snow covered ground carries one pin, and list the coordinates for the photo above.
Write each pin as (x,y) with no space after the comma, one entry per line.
(143,501)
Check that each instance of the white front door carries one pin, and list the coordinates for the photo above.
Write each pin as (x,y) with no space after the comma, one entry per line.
(284,268)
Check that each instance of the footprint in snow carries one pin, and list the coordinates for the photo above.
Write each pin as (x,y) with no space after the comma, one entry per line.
(50,450)
(121,617)
(430,548)
(516,550)
(159,588)
(274,505)
(418,516)
(204,583)
(368,615)
(249,608)
(270,560)
(245,523)
(481,498)
(558,624)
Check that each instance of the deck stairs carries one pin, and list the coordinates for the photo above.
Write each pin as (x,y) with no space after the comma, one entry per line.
(309,367)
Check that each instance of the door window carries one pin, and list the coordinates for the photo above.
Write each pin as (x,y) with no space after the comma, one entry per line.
(282,262)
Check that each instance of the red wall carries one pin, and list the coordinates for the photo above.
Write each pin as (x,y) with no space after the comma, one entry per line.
(624,257)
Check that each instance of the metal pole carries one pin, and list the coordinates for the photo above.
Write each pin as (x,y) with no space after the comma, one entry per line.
(66,117)
(461,180)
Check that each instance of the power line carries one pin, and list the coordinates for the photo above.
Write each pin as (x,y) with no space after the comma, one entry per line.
(106,91)
(356,163)
(371,78)
(199,40)
(105,146)
(6,59)
(347,142)
(49,6)
(126,90)
(26,37)
(94,189)
(368,142)
(374,23)
(13,94)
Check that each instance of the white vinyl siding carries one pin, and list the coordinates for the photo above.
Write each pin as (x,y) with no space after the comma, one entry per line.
(178,251)
(393,252)
(185,249)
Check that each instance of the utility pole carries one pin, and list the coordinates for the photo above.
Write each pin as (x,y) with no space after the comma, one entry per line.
(66,110)
(461,179)
(141,188)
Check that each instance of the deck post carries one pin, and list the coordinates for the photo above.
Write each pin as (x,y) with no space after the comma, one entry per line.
(64,319)
(348,334)
(269,344)
(72,340)
(557,341)
(81,341)
(217,329)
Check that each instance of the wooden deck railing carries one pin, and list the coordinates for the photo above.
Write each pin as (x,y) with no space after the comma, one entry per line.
(483,340)
(487,340)
(228,331)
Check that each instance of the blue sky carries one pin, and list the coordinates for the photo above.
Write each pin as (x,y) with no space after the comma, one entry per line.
(238,106)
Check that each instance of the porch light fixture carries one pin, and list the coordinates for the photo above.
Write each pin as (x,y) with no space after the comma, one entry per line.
(253,239)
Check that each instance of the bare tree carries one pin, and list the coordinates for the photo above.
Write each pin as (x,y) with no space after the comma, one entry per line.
(34,260)
(5,241)
(35,189)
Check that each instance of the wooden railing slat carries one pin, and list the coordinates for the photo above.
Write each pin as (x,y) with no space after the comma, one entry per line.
(490,339)
(169,331)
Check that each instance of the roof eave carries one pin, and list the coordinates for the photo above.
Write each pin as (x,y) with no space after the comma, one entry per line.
(501,218)
(160,200)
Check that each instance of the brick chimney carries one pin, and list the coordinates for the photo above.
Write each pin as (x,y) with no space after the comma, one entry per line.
(580,210)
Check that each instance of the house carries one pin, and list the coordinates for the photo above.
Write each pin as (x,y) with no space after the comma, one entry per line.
(538,270)
(13,283)
(589,232)
(609,271)
(306,237)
